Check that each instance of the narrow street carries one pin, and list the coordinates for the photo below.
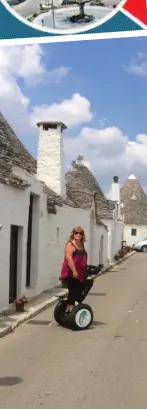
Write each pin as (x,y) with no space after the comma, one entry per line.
(28,7)
(45,366)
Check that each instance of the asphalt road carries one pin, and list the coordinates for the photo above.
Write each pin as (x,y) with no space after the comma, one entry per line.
(28,7)
(45,366)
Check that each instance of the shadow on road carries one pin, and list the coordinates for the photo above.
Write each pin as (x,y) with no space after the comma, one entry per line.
(104,273)
(39,322)
(97,323)
(10,381)
(97,294)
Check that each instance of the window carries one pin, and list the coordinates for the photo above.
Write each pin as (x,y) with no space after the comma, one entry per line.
(57,234)
(47,127)
(133,232)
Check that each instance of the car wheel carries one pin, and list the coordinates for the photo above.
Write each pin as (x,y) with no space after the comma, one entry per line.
(144,248)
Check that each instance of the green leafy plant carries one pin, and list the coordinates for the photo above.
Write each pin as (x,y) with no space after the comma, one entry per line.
(128,249)
(117,257)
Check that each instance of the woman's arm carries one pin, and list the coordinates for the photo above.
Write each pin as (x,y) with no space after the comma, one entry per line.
(68,254)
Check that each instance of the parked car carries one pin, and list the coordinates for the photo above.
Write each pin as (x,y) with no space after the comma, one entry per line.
(140,246)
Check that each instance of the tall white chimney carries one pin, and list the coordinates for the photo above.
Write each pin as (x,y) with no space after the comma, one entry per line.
(115,193)
(50,161)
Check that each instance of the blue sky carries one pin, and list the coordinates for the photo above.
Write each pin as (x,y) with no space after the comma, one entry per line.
(111,75)
(97,72)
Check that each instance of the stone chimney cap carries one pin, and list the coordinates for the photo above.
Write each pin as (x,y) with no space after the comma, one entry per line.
(115,179)
(80,158)
(63,126)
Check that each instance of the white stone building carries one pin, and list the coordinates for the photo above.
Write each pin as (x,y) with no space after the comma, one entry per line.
(134,211)
(39,206)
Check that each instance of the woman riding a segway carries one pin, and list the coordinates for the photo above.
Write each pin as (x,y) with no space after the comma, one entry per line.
(75,277)
(74,266)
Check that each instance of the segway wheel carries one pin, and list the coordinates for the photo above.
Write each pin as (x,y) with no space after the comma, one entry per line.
(59,311)
(81,317)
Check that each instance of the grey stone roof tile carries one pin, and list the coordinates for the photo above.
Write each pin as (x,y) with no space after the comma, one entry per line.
(134,203)
(52,197)
(104,208)
(81,185)
(13,150)
(79,177)
(84,186)
(79,198)
(14,181)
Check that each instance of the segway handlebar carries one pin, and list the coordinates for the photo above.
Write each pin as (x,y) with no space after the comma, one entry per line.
(93,271)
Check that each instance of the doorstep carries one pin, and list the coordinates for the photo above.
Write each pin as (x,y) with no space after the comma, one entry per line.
(8,323)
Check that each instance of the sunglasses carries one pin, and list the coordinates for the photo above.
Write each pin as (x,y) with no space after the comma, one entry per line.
(78,233)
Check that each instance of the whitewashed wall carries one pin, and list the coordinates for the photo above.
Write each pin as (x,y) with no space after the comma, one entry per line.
(50,163)
(54,233)
(110,226)
(115,237)
(14,205)
(118,236)
(99,246)
(141,234)
(48,238)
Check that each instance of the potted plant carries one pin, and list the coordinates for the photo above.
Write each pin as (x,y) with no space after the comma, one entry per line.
(117,257)
(121,253)
(125,251)
(20,303)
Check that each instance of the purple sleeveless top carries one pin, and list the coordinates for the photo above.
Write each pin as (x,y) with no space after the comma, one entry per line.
(80,262)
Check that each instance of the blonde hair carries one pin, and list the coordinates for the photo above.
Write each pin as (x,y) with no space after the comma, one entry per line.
(77,229)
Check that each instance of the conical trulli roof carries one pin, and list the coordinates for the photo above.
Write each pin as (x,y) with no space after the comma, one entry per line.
(83,187)
(132,189)
(81,178)
(12,150)
(133,202)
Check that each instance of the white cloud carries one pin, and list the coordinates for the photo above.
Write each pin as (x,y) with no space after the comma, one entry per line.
(22,61)
(72,111)
(106,150)
(56,75)
(25,63)
(109,152)
(137,65)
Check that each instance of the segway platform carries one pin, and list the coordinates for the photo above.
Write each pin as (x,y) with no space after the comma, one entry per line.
(81,316)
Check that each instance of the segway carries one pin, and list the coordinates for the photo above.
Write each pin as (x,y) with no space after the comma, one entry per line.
(81,316)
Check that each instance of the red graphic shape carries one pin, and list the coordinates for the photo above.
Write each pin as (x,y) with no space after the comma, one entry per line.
(138,8)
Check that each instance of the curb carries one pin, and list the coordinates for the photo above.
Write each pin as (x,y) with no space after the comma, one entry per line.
(29,315)
(120,261)
(44,305)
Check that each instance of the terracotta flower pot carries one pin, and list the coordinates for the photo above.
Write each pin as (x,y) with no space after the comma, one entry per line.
(19,307)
